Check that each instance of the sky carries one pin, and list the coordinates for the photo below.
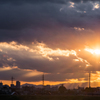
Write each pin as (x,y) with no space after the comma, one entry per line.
(59,38)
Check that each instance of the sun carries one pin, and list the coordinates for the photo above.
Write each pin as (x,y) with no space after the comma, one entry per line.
(93,51)
(97,51)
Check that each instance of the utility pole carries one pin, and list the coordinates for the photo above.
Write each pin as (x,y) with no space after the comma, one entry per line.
(43,79)
(12,80)
(89,78)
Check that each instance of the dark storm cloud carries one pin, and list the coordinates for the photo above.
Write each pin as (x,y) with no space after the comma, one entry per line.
(41,15)
(7,74)
(43,1)
(32,1)
(44,65)
(83,0)
(21,75)
(47,22)
(65,76)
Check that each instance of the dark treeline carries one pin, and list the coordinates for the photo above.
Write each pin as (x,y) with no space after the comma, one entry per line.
(43,97)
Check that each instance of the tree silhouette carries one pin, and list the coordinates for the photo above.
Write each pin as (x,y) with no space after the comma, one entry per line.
(62,89)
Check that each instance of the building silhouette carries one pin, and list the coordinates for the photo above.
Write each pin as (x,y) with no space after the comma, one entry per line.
(17,84)
(1,84)
(12,86)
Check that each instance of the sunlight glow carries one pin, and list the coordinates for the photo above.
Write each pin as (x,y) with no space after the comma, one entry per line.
(39,49)
(71,4)
(93,51)
(96,6)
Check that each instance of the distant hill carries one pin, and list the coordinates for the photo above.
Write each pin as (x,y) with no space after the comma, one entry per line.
(37,86)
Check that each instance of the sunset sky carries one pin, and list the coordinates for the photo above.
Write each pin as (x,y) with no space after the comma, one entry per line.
(60,38)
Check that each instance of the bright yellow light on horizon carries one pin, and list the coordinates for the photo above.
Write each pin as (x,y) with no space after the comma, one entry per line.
(93,51)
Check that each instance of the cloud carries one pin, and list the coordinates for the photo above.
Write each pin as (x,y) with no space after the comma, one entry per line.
(48,36)
(28,63)
(40,58)
(44,22)
(18,2)
(28,17)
